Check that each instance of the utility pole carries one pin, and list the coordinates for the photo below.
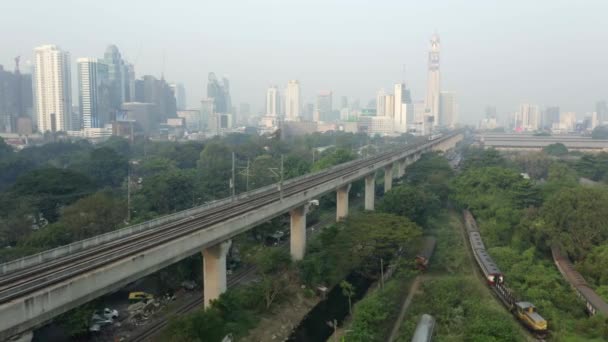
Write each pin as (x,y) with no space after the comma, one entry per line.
(382,272)
(246,173)
(281,181)
(128,191)
(232,180)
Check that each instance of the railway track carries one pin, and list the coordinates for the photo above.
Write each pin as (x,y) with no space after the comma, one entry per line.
(22,282)
(158,325)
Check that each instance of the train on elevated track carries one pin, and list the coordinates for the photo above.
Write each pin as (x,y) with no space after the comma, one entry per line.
(525,312)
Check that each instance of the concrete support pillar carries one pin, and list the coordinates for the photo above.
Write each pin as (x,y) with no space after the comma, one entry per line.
(342,202)
(298,232)
(388,177)
(370,191)
(401,164)
(214,271)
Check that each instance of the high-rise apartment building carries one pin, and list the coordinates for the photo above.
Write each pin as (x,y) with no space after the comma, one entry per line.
(447,109)
(551,117)
(434,81)
(53,91)
(292,100)
(527,118)
(389,105)
(380,103)
(324,106)
(94,91)
(273,104)
(220,93)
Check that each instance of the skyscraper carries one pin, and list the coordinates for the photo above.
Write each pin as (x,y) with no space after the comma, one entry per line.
(272,101)
(551,117)
(93,93)
(119,73)
(180,95)
(601,108)
(324,106)
(220,93)
(434,80)
(292,100)
(380,103)
(15,97)
(53,91)
(447,108)
(527,118)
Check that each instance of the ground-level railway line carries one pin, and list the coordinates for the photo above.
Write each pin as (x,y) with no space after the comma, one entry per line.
(20,283)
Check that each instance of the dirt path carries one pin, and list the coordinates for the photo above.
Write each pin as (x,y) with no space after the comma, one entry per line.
(406,304)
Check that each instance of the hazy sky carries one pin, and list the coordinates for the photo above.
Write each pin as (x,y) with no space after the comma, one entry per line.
(493,52)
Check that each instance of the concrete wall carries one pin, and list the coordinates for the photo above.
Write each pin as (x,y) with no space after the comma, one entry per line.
(29,312)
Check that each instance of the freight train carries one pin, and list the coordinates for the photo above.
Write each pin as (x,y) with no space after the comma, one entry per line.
(525,312)
(594,304)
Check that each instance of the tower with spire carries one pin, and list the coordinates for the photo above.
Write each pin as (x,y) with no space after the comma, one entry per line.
(434,81)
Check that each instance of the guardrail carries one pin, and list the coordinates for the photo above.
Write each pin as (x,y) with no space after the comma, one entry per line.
(158,223)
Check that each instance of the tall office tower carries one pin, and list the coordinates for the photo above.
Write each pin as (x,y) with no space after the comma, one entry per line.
(180,95)
(551,118)
(601,108)
(292,100)
(434,80)
(15,97)
(208,115)
(324,106)
(93,93)
(527,118)
(447,109)
(244,113)
(273,104)
(118,76)
(53,91)
(130,83)
(220,93)
(380,103)
(389,105)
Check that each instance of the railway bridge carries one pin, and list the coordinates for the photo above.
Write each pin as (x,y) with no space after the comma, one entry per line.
(37,288)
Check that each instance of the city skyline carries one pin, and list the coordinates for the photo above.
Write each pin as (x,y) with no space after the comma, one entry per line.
(509,62)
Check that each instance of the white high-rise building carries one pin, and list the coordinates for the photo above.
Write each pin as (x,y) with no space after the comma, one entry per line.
(380,103)
(527,118)
(389,106)
(434,81)
(272,102)
(53,91)
(292,100)
(399,89)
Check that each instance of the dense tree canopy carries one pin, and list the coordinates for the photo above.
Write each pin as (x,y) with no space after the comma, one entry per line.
(557,149)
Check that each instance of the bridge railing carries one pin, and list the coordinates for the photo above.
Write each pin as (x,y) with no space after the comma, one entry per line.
(158,223)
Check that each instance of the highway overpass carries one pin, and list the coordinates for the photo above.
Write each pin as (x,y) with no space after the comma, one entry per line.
(530,142)
(37,288)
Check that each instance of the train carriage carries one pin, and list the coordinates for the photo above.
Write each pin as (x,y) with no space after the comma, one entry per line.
(488,267)
(594,304)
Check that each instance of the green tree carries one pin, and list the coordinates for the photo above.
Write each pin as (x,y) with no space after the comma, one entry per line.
(5,150)
(50,188)
(334,157)
(215,165)
(577,218)
(410,201)
(105,166)
(154,165)
(557,149)
(168,192)
(348,290)
(260,173)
